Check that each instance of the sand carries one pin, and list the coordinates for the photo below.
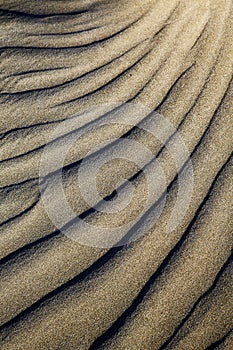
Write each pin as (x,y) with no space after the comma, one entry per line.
(167,289)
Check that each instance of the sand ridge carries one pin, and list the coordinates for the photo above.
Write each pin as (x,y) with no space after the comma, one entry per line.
(163,291)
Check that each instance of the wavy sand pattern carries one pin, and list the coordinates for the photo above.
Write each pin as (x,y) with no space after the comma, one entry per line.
(163,291)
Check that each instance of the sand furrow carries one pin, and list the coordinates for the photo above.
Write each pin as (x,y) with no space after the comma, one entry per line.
(168,300)
(95,289)
(76,68)
(54,252)
(26,160)
(210,312)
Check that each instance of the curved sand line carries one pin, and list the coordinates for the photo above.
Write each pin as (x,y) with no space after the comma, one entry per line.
(162,291)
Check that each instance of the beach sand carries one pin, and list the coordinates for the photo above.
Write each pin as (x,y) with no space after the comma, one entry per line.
(165,289)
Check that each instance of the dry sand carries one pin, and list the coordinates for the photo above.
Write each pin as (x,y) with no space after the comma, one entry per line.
(163,291)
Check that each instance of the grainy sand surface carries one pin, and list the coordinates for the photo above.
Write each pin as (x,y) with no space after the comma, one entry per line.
(161,291)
